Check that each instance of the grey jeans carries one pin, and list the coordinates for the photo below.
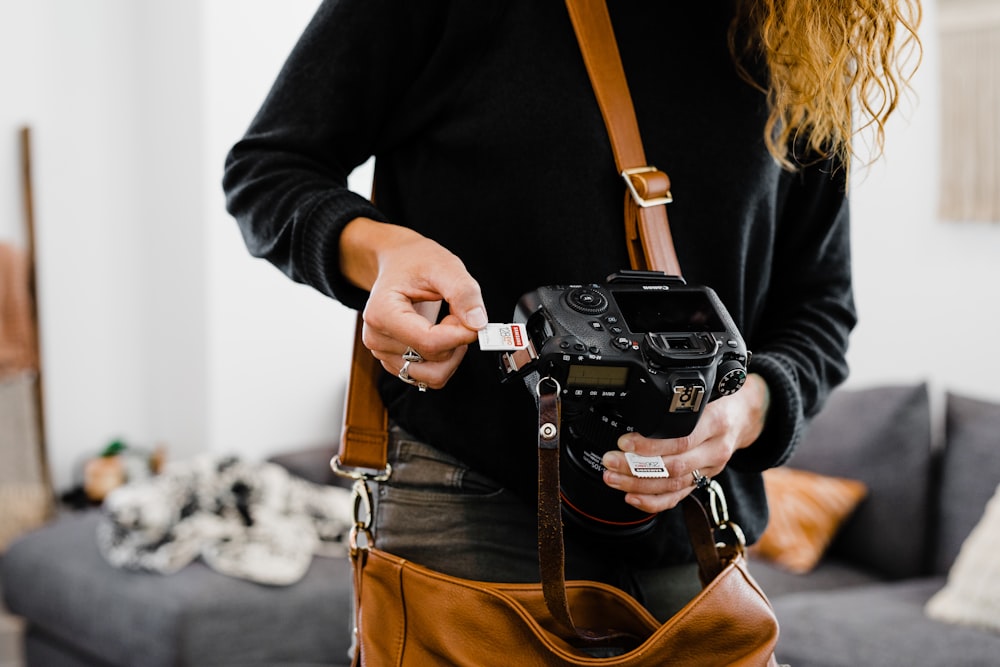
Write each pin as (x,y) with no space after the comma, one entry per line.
(437,512)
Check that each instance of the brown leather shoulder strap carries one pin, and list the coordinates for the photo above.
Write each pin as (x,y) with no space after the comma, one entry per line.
(595,34)
(365,437)
(650,244)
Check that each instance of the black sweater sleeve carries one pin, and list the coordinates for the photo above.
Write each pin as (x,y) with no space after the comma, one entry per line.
(801,336)
(286,180)
(363,76)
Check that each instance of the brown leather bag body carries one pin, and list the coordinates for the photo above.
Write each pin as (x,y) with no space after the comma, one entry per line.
(414,616)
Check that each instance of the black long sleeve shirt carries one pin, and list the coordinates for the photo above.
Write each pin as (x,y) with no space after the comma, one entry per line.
(488,139)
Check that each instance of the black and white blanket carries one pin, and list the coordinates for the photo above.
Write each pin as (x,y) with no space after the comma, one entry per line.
(255,521)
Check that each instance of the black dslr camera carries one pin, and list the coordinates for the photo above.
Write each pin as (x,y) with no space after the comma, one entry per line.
(644,352)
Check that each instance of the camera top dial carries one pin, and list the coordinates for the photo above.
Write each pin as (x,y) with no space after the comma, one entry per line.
(587,301)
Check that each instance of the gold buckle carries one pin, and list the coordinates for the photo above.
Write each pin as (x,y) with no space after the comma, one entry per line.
(627,175)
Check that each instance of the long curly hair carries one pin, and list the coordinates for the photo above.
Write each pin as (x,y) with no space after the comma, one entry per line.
(833,70)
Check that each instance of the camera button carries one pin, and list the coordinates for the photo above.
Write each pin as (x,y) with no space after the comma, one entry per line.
(622,343)
(597,326)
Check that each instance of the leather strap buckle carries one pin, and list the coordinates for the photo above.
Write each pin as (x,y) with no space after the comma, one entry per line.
(649,186)
(359,473)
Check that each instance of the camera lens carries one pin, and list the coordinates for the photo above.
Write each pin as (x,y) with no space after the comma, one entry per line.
(587,500)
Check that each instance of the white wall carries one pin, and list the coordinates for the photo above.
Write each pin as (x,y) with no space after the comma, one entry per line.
(928,291)
(278,351)
(159,326)
(74,76)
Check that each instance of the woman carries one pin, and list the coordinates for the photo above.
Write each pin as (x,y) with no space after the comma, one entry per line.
(495,177)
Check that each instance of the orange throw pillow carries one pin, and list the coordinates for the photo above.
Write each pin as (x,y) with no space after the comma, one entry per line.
(807,509)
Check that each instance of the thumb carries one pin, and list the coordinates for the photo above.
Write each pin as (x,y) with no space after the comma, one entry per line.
(474,317)
(465,301)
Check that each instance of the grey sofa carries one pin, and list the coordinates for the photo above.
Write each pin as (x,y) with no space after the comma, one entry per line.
(80,611)
(863,605)
(928,488)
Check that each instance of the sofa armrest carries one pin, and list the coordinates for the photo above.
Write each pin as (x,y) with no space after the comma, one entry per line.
(312,464)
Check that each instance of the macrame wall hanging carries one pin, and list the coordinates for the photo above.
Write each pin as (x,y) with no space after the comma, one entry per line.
(970,109)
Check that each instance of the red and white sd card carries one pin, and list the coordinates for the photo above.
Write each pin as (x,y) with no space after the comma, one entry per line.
(503,337)
(646,466)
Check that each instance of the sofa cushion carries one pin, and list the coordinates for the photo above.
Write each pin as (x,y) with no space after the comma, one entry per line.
(807,509)
(57,579)
(970,472)
(881,624)
(882,437)
(972,595)
(830,574)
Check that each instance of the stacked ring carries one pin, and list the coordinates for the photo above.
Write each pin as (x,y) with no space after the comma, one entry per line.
(411,356)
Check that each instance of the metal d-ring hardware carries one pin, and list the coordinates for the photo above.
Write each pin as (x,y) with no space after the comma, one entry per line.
(361,535)
(720,513)
(639,199)
(369,474)
(538,385)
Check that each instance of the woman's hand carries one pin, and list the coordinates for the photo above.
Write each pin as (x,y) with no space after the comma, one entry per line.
(408,276)
(727,424)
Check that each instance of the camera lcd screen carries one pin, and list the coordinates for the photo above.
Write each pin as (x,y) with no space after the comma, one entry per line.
(665,311)
(597,376)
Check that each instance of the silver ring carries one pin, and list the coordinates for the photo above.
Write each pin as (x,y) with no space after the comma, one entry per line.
(412,355)
(700,480)
(404,375)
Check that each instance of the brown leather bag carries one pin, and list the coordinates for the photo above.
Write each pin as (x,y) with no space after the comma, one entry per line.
(410,615)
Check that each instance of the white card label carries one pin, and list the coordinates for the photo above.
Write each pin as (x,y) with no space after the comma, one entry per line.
(646,466)
(503,337)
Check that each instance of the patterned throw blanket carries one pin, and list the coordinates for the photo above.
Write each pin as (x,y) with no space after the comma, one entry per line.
(254,521)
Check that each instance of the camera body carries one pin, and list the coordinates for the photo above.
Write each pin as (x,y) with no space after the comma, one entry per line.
(642,352)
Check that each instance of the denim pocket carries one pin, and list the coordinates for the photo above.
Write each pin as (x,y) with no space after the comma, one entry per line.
(435,511)
(417,465)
